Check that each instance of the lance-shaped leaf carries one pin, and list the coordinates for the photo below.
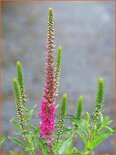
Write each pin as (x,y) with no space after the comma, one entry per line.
(2,140)
(101,137)
(18,142)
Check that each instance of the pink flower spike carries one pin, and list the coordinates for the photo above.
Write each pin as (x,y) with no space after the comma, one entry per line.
(47,113)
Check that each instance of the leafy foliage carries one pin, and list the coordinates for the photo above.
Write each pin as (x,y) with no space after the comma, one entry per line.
(91,131)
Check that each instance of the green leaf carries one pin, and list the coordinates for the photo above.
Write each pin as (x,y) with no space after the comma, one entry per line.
(80,124)
(107,120)
(35,129)
(105,123)
(82,136)
(29,149)
(72,118)
(15,123)
(18,142)
(65,145)
(107,127)
(87,117)
(101,137)
(2,140)
(39,143)
(66,130)
(31,111)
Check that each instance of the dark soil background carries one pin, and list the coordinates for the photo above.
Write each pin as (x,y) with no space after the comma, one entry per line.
(86,32)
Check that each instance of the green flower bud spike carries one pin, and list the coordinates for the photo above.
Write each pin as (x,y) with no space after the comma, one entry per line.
(80,102)
(62,115)
(57,70)
(18,101)
(20,78)
(99,99)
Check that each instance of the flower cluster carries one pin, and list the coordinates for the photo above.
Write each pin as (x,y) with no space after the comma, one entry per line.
(47,115)
(99,99)
(18,102)
(48,101)
(62,115)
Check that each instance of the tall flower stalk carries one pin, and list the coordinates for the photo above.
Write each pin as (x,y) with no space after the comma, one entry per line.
(18,102)
(57,139)
(62,115)
(99,99)
(48,101)
(20,78)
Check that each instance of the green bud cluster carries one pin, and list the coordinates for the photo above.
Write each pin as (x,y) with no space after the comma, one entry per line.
(57,70)
(19,94)
(50,39)
(80,102)
(62,115)
(99,99)
(20,78)
(18,101)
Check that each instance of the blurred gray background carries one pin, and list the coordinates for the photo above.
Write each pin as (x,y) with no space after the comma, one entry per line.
(85,30)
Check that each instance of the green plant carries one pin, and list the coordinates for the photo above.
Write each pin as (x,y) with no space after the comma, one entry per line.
(51,138)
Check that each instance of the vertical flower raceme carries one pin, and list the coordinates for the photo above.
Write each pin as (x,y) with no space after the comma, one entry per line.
(48,103)
(20,78)
(79,107)
(99,99)
(57,70)
(18,101)
(62,115)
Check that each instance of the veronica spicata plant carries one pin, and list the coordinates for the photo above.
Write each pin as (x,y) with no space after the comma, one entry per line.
(54,137)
